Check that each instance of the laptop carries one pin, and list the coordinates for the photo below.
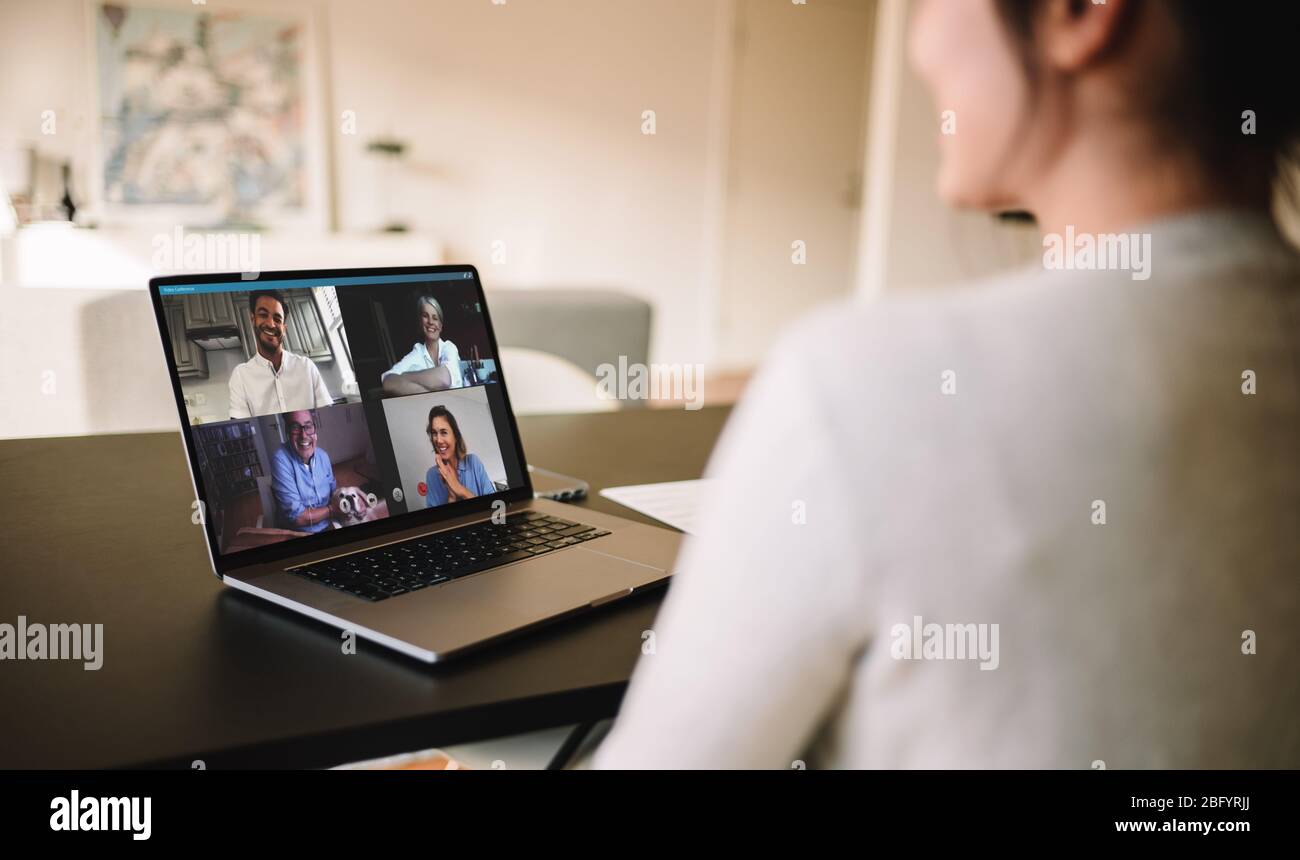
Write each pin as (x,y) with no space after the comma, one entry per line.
(355,459)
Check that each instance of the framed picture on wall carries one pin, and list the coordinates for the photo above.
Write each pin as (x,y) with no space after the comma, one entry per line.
(209,115)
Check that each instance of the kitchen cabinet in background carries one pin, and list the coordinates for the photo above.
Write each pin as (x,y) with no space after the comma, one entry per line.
(190,359)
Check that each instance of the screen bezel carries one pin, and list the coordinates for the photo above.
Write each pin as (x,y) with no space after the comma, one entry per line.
(223,564)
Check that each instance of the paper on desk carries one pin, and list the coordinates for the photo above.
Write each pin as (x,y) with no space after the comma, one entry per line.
(675,503)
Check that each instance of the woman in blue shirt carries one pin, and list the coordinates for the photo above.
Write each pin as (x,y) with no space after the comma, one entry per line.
(455,474)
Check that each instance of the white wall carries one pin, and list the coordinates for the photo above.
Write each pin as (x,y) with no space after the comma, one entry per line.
(407,418)
(910,238)
(794,168)
(43,64)
(525,122)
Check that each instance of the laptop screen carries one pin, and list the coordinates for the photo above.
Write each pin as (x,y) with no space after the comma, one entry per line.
(317,404)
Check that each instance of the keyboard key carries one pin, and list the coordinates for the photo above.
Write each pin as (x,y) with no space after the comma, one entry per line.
(569,532)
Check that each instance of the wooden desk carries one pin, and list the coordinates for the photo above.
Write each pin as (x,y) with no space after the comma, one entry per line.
(193,670)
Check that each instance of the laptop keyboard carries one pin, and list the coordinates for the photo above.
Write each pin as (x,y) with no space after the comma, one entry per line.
(401,568)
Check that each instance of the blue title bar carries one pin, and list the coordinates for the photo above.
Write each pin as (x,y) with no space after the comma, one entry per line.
(254,284)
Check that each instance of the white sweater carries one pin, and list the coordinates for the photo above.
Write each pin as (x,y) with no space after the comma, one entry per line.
(855,496)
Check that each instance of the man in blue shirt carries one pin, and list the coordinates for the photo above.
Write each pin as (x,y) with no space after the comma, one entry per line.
(302,477)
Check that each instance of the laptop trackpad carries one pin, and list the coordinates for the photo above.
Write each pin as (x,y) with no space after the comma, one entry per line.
(449,617)
(568,579)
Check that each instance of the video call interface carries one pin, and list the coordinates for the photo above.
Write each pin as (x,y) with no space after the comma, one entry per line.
(316,406)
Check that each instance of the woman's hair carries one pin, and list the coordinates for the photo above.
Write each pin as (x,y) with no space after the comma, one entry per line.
(440,411)
(422,300)
(1236,57)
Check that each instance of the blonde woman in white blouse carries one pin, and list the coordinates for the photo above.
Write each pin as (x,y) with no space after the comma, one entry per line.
(432,364)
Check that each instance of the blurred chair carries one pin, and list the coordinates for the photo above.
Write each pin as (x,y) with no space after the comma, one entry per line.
(587,328)
(545,384)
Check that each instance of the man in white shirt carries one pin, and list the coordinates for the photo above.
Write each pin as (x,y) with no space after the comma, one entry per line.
(419,371)
(274,380)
